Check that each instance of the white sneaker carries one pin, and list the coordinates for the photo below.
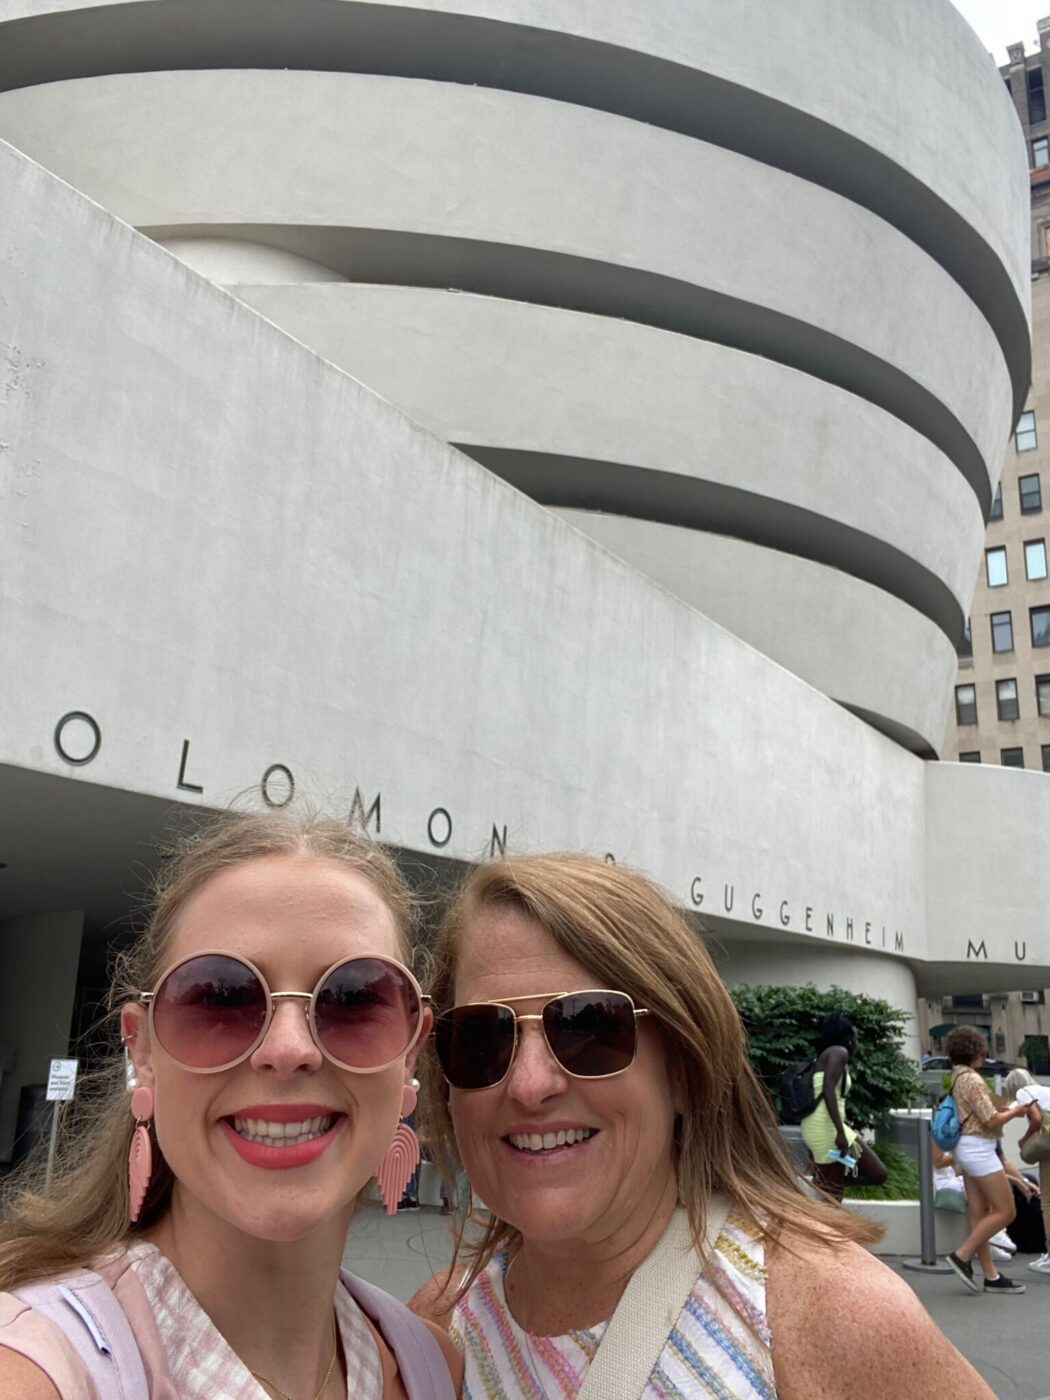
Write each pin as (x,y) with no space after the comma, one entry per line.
(1041,1265)
(1001,1256)
(1003,1241)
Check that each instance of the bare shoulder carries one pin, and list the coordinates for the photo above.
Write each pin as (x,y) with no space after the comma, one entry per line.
(842,1323)
(453,1356)
(22,1379)
(434,1301)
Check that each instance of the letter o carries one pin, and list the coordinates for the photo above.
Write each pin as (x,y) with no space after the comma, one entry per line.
(443,814)
(96,737)
(610,859)
(264,786)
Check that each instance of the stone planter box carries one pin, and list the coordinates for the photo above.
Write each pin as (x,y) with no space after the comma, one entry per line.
(900,1220)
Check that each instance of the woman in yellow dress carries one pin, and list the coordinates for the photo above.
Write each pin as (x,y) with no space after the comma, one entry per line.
(832,1143)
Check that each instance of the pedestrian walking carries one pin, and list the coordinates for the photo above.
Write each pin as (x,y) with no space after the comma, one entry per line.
(989,1199)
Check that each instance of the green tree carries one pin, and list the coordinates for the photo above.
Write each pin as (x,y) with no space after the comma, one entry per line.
(783,1024)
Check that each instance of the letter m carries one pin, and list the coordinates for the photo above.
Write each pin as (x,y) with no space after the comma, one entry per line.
(360,818)
(980,951)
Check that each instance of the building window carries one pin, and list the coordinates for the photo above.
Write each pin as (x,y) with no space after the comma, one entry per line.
(1036,96)
(966,704)
(1046,758)
(1035,559)
(997,504)
(1031,494)
(1024,433)
(1011,758)
(1042,696)
(995,566)
(974,755)
(1039,619)
(1006,700)
(965,647)
(1002,632)
(1040,153)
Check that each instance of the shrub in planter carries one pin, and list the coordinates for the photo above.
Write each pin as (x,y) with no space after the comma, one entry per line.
(782,1025)
(902,1177)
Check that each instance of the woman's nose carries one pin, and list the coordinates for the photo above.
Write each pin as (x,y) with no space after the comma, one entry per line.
(535,1075)
(288,1047)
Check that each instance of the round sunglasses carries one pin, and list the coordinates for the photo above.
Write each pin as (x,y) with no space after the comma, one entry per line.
(211,1011)
(591,1034)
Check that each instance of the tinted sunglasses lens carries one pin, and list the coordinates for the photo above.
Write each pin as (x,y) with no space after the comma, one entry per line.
(591,1033)
(474,1045)
(209,1011)
(366,1013)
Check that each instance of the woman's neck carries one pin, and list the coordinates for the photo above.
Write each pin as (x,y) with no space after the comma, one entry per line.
(273,1301)
(554,1287)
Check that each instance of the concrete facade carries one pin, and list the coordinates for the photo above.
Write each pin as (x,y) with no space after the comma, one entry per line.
(245,547)
(1002,709)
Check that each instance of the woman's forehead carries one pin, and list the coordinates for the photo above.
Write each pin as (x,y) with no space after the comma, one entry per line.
(286,906)
(505,952)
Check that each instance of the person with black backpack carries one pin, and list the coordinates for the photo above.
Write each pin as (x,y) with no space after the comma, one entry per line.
(835,1147)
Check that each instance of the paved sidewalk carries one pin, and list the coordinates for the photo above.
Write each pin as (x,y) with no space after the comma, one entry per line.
(1004,1338)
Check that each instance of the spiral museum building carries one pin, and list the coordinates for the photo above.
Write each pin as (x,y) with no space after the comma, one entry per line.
(524,424)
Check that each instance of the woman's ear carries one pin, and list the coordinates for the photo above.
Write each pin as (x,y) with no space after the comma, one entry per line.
(134,1032)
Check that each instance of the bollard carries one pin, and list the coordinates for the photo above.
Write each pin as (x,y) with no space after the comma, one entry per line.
(928,1263)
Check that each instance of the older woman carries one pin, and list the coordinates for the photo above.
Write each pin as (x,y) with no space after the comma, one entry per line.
(191,1244)
(1020,1085)
(989,1200)
(648,1235)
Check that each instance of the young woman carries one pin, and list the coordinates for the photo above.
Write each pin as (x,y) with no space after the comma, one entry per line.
(989,1200)
(647,1227)
(273,1026)
(826,1130)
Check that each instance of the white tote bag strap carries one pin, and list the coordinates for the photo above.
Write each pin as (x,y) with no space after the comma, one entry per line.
(648,1311)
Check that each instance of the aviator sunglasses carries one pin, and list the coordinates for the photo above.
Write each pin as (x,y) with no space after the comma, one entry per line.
(591,1034)
(212,1010)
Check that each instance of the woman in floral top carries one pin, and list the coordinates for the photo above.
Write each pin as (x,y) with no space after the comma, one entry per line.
(988,1195)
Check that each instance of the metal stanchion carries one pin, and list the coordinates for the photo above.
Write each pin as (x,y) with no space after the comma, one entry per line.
(928,1263)
(56,1109)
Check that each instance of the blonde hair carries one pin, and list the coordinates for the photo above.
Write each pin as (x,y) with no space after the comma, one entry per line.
(84,1213)
(629,935)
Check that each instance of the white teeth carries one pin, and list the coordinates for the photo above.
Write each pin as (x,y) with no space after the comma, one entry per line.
(535,1142)
(282,1134)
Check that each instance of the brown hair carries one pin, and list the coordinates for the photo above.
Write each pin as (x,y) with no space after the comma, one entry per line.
(964,1044)
(625,931)
(85,1211)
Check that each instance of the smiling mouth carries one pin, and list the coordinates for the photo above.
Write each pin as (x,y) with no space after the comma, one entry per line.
(282,1134)
(547,1142)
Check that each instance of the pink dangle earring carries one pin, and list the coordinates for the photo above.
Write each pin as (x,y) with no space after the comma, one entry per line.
(402,1156)
(140,1158)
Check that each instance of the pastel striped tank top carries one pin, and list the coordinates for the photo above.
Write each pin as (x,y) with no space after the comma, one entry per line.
(720,1345)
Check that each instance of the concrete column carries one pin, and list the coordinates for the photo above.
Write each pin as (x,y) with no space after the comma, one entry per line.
(39,957)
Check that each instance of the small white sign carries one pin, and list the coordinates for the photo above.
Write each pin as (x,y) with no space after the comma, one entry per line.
(61,1079)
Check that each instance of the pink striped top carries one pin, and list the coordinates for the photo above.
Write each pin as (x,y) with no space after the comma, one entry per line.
(719,1347)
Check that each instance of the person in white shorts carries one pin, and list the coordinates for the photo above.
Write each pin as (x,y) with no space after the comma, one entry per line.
(989,1199)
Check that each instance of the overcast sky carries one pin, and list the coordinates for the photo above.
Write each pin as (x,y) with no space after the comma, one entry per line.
(1002,22)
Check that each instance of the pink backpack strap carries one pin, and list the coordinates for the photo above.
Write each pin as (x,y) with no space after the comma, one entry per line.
(85,1310)
(420,1362)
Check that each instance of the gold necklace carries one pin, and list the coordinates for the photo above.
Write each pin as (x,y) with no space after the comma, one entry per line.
(327,1375)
